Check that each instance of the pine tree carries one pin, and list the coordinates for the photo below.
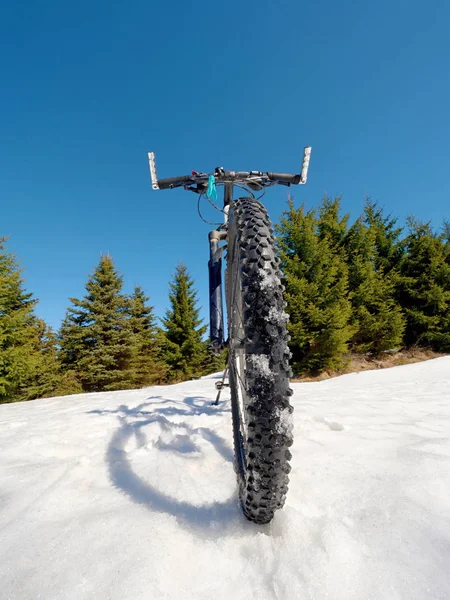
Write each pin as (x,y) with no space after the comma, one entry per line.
(95,337)
(146,366)
(316,280)
(17,329)
(183,347)
(387,236)
(424,287)
(46,378)
(376,316)
(446,237)
(68,384)
(215,361)
(330,225)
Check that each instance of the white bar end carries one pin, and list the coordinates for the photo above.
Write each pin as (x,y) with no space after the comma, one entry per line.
(305,165)
(152,165)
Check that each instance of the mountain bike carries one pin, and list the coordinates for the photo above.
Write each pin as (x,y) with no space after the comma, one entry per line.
(258,354)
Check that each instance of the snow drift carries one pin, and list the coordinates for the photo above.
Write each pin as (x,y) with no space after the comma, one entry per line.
(132,495)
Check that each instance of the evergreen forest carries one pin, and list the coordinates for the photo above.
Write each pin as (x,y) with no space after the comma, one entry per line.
(363,287)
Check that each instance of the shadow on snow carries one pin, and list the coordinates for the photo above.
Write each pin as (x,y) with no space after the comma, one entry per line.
(214,517)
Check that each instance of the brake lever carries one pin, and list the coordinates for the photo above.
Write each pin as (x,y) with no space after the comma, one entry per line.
(219,172)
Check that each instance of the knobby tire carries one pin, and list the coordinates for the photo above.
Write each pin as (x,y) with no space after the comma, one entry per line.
(258,362)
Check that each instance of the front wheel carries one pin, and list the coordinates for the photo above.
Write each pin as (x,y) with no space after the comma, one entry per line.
(258,362)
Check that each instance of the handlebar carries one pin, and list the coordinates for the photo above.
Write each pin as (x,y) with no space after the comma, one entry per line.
(165,184)
(285,178)
(238,177)
(250,178)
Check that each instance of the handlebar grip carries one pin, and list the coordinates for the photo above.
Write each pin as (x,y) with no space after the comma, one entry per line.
(165,184)
(285,177)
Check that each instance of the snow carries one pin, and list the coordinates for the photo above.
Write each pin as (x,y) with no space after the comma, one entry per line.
(286,422)
(268,280)
(261,365)
(132,495)
(277,316)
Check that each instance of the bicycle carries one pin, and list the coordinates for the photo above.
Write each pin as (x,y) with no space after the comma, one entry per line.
(258,354)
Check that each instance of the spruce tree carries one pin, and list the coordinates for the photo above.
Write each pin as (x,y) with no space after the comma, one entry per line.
(215,360)
(69,384)
(47,379)
(446,237)
(376,315)
(44,377)
(183,347)
(316,280)
(29,367)
(387,237)
(95,337)
(424,287)
(146,366)
(18,354)
(330,225)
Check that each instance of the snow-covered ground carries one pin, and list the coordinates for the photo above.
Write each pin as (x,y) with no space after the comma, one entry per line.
(132,495)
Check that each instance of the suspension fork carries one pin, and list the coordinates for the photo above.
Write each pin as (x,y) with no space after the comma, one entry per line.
(215,290)
(216,325)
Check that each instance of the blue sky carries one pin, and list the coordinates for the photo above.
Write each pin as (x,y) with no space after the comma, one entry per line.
(87,89)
